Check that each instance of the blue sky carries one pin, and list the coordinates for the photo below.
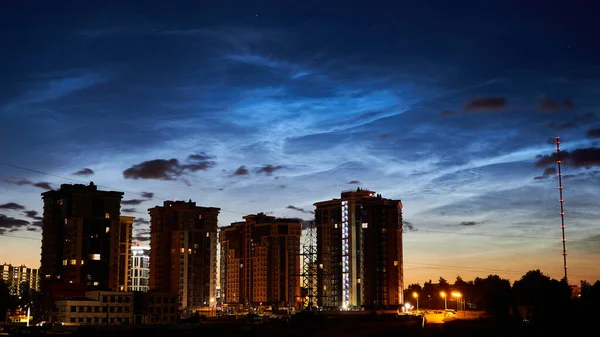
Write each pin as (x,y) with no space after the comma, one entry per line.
(257,106)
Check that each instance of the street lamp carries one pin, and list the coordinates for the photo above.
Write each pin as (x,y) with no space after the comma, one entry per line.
(457,295)
(443,294)
(416,296)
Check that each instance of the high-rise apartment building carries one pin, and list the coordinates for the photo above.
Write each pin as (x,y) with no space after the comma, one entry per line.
(140,267)
(83,238)
(260,261)
(359,251)
(123,251)
(183,252)
(19,278)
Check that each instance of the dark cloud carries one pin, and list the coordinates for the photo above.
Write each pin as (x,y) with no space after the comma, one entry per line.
(42,184)
(132,202)
(448,113)
(241,171)
(486,103)
(593,133)
(563,126)
(140,221)
(587,157)
(10,224)
(587,117)
(129,210)
(354,182)
(32,229)
(551,140)
(384,137)
(171,169)
(12,205)
(409,227)
(300,209)
(268,169)
(198,162)
(84,172)
(470,223)
(147,195)
(142,237)
(548,104)
(199,157)
(33,215)
(549,171)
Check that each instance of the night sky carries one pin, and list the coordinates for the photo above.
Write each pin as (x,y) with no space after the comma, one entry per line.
(270,106)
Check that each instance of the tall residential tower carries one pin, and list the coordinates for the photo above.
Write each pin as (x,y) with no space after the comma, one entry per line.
(83,238)
(260,261)
(183,252)
(359,251)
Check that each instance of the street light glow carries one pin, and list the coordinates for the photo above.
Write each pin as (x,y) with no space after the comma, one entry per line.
(456,294)
(443,294)
(415,295)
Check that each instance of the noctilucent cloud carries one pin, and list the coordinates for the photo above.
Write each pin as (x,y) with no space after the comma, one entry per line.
(270,106)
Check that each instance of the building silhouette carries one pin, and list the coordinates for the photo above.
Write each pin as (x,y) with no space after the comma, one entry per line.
(140,267)
(260,262)
(19,278)
(183,252)
(359,251)
(83,238)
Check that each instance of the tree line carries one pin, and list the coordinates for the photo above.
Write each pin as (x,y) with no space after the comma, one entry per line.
(534,297)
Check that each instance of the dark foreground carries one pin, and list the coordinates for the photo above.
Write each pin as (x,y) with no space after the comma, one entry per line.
(322,326)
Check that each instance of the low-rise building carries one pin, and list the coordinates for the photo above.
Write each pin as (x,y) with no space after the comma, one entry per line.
(97,307)
(155,308)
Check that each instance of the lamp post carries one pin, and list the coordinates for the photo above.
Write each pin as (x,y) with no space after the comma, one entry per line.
(443,294)
(457,295)
(416,296)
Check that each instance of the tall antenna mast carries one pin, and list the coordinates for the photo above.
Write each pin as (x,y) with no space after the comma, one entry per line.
(562,210)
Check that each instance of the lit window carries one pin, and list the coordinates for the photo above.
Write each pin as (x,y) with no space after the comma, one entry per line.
(96,283)
(107,229)
(65,262)
(60,202)
(200,216)
(107,215)
(73,262)
(66,221)
(82,262)
(183,250)
(365,225)
(95,257)
(395,263)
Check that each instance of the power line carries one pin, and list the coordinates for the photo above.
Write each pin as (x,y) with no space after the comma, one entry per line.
(494,235)
(463,268)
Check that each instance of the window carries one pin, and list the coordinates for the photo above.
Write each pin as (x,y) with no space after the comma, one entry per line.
(95,257)
(395,263)
(60,202)
(107,215)
(73,262)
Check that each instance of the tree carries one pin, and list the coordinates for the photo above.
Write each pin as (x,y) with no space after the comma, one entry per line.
(544,296)
(429,293)
(493,294)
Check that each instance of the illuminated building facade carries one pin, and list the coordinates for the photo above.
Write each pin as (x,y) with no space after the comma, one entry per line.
(84,240)
(140,267)
(19,278)
(359,251)
(260,261)
(183,252)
